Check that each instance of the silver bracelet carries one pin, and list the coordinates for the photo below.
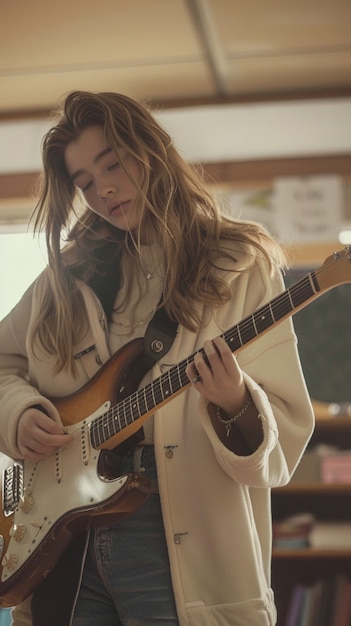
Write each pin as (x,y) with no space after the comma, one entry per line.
(230,420)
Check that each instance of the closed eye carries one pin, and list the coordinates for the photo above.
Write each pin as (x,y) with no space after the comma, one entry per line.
(86,187)
(113,166)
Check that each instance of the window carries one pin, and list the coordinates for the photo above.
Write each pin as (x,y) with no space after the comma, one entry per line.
(22,258)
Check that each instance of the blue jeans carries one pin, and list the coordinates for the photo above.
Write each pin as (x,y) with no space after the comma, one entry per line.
(126,579)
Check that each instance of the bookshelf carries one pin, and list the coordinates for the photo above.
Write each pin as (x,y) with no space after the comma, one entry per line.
(324,336)
(308,566)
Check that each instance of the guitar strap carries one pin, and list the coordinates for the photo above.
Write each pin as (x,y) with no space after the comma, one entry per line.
(158,339)
(159,336)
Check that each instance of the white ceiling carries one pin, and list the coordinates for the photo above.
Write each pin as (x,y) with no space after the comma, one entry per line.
(171,51)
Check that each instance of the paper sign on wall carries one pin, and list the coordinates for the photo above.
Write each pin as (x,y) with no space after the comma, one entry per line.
(308,209)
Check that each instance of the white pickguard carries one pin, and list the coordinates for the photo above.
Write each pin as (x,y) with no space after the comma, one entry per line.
(65,482)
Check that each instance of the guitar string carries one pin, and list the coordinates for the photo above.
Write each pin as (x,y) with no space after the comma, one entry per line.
(123,412)
(174,379)
(126,411)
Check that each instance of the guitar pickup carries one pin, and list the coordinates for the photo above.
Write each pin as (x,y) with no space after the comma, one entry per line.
(12,491)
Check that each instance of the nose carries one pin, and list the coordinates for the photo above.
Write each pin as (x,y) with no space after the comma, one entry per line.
(106,189)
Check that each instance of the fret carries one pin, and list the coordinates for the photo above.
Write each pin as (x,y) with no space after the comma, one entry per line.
(134,408)
(247,330)
(157,391)
(106,430)
(263,318)
(142,401)
(314,282)
(142,393)
(99,432)
(123,415)
(290,299)
(128,410)
(184,380)
(151,398)
(167,390)
(179,379)
(95,432)
(281,305)
(254,323)
(92,435)
(137,400)
(274,317)
(301,291)
(148,398)
(117,427)
(232,338)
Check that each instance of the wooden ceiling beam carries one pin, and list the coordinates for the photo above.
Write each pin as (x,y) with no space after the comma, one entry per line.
(285,96)
(19,185)
(204,23)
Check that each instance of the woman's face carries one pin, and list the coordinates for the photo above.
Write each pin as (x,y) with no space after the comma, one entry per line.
(95,170)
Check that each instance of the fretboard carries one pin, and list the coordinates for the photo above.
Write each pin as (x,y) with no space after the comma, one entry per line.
(169,384)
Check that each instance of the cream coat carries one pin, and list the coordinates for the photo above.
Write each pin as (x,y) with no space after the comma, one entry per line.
(216,505)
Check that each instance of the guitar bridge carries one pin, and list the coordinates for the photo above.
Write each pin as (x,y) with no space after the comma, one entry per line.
(12,492)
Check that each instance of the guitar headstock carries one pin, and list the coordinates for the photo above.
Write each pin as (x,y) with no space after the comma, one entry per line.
(336,269)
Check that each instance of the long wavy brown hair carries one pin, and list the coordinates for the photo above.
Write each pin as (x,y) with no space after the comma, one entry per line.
(179,209)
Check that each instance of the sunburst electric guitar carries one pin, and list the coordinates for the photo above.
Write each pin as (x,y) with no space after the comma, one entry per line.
(46,504)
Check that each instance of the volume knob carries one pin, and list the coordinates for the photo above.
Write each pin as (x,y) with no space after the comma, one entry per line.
(10,561)
(26,503)
(17,531)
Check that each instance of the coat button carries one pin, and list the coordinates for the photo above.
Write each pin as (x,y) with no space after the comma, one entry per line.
(170,451)
(178,537)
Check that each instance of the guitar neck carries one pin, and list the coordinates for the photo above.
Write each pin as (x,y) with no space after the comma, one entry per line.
(144,401)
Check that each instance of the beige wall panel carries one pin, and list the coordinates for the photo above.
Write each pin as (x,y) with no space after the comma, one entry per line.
(178,81)
(257,28)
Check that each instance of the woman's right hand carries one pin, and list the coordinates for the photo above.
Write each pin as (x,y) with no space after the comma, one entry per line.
(39,436)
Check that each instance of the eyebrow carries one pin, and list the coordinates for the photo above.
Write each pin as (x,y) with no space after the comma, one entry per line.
(96,159)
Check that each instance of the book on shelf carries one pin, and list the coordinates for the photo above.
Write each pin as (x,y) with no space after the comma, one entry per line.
(324,464)
(307,609)
(292,532)
(304,531)
(308,605)
(336,468)
(325,603)
(321,599)
(330,535)
(341,610)
(296,605)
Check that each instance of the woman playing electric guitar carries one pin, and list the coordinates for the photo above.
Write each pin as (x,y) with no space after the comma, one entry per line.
(130,228)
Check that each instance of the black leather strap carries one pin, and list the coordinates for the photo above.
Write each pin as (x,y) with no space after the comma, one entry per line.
(158,339)
(159,336)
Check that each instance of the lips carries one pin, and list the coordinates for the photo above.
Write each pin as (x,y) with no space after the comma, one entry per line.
(117,207)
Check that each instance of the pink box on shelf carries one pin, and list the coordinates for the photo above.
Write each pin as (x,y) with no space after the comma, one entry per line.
(336,468)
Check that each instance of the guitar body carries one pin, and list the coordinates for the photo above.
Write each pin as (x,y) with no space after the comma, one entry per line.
(47,504)
(117,379)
